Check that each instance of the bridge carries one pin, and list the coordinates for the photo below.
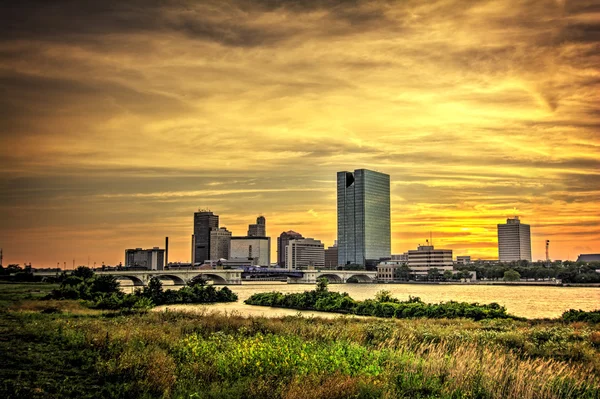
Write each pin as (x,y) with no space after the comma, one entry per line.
(180,277)
(141,278)
(334,276)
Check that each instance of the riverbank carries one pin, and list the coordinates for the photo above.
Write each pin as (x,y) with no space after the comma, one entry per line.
(61,349)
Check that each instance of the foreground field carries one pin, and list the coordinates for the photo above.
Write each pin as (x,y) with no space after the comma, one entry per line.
(59,349)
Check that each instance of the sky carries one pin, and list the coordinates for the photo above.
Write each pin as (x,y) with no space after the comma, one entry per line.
(119,119)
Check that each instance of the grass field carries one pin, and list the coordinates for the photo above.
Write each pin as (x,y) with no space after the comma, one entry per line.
(61,349)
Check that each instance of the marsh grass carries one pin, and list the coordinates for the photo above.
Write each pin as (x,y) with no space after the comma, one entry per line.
(68,353)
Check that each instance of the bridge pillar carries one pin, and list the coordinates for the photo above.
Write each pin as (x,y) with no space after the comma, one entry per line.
(310,277)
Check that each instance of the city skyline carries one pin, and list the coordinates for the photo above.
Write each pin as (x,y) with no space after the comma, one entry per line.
(120,119)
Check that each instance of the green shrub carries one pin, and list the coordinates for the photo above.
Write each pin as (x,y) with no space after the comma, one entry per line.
(383,306)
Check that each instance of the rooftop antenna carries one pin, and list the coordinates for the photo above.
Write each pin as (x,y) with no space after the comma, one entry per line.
(431,238)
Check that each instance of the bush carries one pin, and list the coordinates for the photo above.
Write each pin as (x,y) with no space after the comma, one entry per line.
(102,292)
(384,305)
(580,315)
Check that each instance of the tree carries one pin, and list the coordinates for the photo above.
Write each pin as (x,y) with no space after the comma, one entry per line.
(154,290)
(433,274)
(198,280)
(511,275)
(448,275)
(384,296)
(105,283)
(83,272)
(322,284)
(404,272)
(466,274)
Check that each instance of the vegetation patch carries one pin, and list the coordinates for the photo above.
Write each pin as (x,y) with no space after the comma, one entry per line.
(102,292)
(384,305)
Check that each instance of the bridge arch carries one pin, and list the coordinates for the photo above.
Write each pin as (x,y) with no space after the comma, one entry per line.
(216,279)
(361,278)
(332,278)
(176,279)
(135,280)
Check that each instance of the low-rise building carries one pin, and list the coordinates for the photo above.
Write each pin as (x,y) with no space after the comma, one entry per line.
(392,270)
(401,257)
(463,260)
(151,259)
(426,257)
(256,250)
(331,257)
(588,258)
(303,253)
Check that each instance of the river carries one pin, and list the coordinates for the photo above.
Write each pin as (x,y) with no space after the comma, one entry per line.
(525,301)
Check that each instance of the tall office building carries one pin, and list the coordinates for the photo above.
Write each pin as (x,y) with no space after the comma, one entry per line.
(220,243)
(282,242)
(259,229)
(363,205)
(304,252)
(514,241)
(204,222)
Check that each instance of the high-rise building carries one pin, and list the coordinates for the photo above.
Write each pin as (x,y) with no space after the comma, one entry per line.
(514,241)
(282,242)
(257,250)
(204,222)
(151,259)
(220,243)
(259,229)
(304,252)
(363,206)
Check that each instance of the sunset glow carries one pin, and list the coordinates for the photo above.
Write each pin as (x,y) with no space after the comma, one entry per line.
(118,120)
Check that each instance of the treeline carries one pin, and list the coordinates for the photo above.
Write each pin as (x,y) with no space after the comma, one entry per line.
(384,305)
(103,292)
(580,315)
(17,273)
(568,272)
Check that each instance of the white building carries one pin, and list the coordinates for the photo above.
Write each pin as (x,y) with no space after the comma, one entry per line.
(256,249)
(426,257)
(514,241)
(304,252)
(151,259)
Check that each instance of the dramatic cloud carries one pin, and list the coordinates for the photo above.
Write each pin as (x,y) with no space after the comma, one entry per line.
(118,119)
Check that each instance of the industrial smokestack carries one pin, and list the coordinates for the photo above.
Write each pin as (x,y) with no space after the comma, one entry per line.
(166,251)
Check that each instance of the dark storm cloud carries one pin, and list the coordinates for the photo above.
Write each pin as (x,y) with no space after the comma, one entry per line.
(26,97)
(227,22)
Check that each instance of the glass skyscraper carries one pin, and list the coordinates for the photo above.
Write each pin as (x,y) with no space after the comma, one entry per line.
(363,206)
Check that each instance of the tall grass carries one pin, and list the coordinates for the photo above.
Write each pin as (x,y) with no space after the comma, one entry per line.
(60,349)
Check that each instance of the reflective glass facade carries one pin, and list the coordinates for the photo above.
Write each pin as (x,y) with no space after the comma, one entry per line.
(363,203)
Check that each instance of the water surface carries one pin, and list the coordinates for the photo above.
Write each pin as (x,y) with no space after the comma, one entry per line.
(525,301)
